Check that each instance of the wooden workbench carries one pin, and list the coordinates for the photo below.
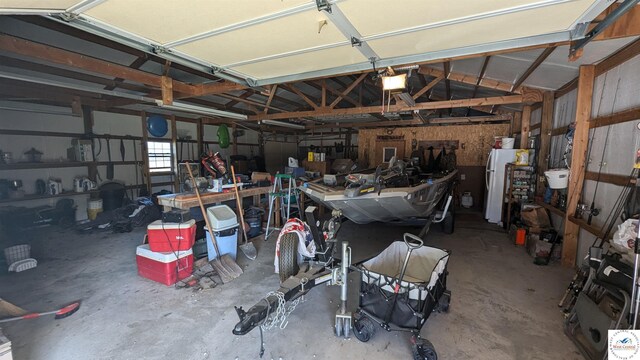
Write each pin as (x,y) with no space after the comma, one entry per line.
(187,201)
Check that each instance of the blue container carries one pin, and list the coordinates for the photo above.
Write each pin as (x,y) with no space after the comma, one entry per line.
(227,240)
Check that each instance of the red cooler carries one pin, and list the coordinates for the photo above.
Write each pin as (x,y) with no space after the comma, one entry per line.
(170,237)
(165,268)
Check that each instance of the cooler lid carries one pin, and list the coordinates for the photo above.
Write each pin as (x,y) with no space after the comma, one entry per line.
(221,217)
(164,257)
(159,225)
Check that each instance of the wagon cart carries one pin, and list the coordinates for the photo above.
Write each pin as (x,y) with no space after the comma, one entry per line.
(400,288)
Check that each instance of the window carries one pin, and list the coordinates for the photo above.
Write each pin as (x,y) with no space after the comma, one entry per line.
(159,156)
(388,153)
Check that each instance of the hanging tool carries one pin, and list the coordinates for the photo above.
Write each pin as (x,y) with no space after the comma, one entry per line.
(224,265)
(592,209)
(247,247)
(109,164)
(122,149)
(60,313)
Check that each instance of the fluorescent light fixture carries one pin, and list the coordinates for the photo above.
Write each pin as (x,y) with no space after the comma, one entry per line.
(397,82)
(195,109)
(283,124)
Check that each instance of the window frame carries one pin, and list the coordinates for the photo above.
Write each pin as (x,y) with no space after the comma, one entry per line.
(166,154)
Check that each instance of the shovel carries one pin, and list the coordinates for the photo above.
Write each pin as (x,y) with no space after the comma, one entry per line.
(226,267)
(247,247)
(109,164)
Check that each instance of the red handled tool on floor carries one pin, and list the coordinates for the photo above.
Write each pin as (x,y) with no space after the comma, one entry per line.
(60,314)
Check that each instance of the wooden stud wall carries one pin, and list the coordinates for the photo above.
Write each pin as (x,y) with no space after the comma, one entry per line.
(586,81)
(475,140)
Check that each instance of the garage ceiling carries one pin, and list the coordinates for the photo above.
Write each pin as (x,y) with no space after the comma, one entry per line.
(274,41)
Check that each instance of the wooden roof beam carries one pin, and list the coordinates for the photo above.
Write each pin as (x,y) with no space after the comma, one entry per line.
(389,123)
(63,57)
(447,84)
(526,97)
(427,87)
(471,80)
(348,90)
(539,60)
(302,95)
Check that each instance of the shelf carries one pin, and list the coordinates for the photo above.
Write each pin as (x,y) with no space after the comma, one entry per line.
(41,197)
(42,165)
(551,208)
(60,164)
(594,230)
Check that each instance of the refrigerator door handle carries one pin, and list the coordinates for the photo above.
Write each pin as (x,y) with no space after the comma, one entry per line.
(487,172)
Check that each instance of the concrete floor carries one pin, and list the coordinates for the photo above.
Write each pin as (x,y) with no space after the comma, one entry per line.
(503,306)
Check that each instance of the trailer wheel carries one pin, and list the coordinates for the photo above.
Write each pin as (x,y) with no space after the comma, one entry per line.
(424,350)
(444,302)
(448,224)
(288,259)
(363,328)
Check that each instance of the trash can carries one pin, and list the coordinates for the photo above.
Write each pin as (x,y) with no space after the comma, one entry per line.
(224,224)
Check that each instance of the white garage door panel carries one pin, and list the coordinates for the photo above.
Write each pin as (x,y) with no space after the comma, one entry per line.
(383,16)
(325,59)
(165,21)
(294,32)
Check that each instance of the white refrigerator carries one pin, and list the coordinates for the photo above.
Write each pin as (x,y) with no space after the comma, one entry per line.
(494,181)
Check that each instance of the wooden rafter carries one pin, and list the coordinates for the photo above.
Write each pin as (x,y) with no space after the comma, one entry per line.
(483,70)
(539,60)
(348,90)
(447,84)
(232,103)
(471,80)
(527,97)
(302,95)
(68,58)
(272,93)
(427,87)
(33,66)
(387,123)
(136,64)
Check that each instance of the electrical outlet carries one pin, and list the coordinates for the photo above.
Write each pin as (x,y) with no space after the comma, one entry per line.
(463,177)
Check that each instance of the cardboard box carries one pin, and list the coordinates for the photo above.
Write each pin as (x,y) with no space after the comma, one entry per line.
(536,217)
(536,247)
(260,176)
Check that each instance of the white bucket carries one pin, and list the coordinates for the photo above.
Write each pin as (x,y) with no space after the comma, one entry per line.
(508,142)
(557,178)
(93,208)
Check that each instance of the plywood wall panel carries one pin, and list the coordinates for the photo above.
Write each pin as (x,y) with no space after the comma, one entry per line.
(475,140)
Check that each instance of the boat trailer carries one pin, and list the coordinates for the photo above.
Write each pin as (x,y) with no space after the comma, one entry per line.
(324,268)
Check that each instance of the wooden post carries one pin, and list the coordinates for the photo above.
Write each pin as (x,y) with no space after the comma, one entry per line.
(146,173)
(234,129)
(200,135)
(174,157)
(546,124)
(526,127)
(516,123)
(578,162)
(87,120)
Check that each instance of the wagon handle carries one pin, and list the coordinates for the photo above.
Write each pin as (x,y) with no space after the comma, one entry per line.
(413,241)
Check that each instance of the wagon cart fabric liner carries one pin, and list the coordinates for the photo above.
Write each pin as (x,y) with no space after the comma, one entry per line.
(423,285)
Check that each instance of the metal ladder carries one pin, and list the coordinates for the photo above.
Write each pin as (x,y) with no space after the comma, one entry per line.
(278,192)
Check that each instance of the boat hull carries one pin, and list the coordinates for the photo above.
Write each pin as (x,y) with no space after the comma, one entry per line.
(391,205)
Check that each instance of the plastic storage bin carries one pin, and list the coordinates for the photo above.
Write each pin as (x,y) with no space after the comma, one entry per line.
(165,268)
(169,237)
(16,253)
